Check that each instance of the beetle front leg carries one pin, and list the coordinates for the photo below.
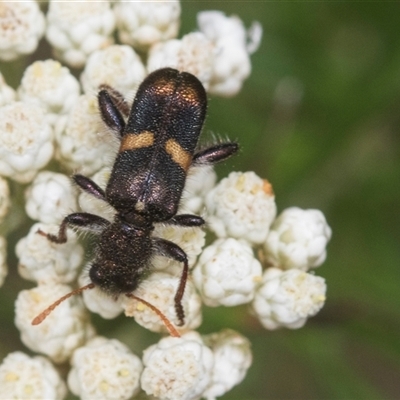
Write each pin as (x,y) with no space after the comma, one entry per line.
(89,222)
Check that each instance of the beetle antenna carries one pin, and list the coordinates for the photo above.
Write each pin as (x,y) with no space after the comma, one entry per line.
(168,324)
(43,315)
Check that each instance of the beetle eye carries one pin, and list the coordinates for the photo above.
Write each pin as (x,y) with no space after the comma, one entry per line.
(95,275)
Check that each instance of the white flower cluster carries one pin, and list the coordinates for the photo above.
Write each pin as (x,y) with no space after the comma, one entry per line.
(118,66)
(51,118)
(50,197)
(50,85)
(83,32)
(298,239)
(242,213)
(159,290)
(227,273)
(22,25)
(241,206)
(144,24)
(191,367)
(62,332)
(218,54)
(288,298)
(256,258)
(289,295)
(232,358)
(26,140)
(82,142)
(77,29)
(104,369)
(231,62)
(24,377)
(43,261)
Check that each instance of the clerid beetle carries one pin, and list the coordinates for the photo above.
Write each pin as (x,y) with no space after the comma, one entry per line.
(158,145)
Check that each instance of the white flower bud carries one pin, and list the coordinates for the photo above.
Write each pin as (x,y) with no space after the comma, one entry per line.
(64,330)
(241,206)
(190,239)
(141,24)
(97,301)
(232,359)
(199,181)
(43,261)
(50,85)
(77,29)
(193,53)
(227,273)
(288,298)
(25,140)
(117,66)
(50,197)
(22,24)
(298,239)
(231,52)
(7,93)
(24,377)
(3,260)
(91,204)
(85,144)
(177,368)
(4,198)
(104,369)
(159,289)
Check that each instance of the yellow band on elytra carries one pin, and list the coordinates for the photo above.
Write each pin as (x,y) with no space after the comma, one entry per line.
(178,154)
(132,141)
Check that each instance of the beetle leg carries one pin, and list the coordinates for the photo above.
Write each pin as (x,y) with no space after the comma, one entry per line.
(215,154)
(86,221)
(110,112)
(89,186)
(171,250)
(186,220)
(118,99)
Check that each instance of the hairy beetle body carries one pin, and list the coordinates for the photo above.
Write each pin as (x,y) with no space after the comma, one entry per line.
(157,147)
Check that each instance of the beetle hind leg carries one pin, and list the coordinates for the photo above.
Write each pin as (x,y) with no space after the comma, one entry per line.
(186,220)
(171,250)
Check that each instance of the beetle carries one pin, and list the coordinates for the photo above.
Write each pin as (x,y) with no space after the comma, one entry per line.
(158,145)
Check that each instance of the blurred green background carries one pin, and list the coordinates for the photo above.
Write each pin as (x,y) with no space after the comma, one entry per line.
(318,117)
